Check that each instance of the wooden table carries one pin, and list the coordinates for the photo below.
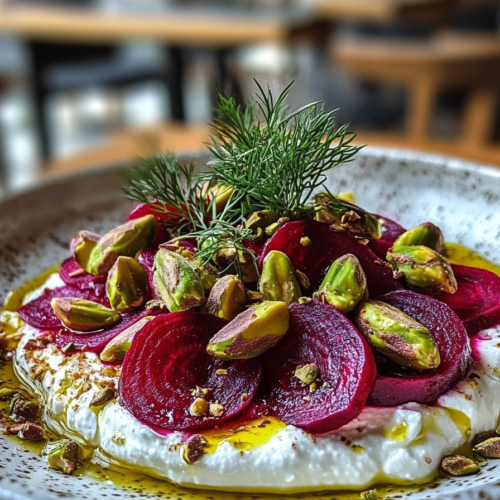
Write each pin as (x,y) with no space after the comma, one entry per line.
(197,28)
(53,33)
(422,11)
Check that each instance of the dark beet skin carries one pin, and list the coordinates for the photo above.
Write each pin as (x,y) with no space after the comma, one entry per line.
(39,314)
(391,231)
(477,300)
(97,341)
(168,359)
(320,335)
(396,385)
(326,246)
(82,280)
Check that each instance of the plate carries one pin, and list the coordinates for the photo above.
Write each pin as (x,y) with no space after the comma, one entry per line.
(37,225)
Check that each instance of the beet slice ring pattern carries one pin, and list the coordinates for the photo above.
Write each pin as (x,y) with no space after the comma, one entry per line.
(397,385)
(327,245)
(477,300)
(322,336)
(168,361)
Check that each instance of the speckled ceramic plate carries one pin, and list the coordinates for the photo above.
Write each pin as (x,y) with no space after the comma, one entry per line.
(36,226)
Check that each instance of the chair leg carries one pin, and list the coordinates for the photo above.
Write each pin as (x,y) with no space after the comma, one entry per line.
(422,102)
(479,116)
(39,61)
(176,83)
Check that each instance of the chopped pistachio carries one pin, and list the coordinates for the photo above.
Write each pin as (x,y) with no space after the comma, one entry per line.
(305,241)
(199,408)
(307,374)
(216,410)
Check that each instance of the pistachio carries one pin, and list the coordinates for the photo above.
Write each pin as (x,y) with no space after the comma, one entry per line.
(369,495)
(278,280)
(347,216)
(227,298)
(483,436)
(222,197)
(30,432)
(489,448)
(177,281)
(116,348)
(307,374)
(22,409)
(194,449)
(271,229)
(304,301)
(82,247)
(208,274)
(127,285)
(6,393)
(261,219)
(252,332)
(254,297)
(347,196)
(305,241)
(104,396)
(229,259)
(397,336)
(83,315)
(216,410)
(344,284)
(458,465)
(126,240)
(199,407)
(426,234)
(423,268)
(303,280)
(63,455)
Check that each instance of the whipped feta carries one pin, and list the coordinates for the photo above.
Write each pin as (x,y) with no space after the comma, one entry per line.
(401,445)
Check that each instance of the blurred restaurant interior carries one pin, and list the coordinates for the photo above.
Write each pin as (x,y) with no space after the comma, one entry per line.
(85,83)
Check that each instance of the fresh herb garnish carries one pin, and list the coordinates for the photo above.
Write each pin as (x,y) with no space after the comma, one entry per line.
(264,155)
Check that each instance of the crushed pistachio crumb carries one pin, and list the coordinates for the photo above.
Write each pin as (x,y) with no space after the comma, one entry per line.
(221,371)
(118,437)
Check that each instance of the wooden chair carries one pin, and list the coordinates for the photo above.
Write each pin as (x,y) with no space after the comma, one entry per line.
(426,68)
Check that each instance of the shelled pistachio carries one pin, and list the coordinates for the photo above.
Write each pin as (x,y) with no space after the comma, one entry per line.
(426,234)
(127,285)
(227,298)
(278,280)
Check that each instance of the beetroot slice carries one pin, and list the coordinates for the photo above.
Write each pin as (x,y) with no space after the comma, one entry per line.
(82,281)
(97,341)
(146,259)
(320,335)
(39,314)
(391,231)
(477,300)
(168,360)
(397,385)
(327,245)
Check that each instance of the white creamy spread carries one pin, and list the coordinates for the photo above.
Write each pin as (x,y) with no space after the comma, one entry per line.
(402,444)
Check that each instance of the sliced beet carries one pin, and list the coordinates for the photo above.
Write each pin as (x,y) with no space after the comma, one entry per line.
(477,300)
(97,341)
(322,336)
(39,314)
(73,275)
(168,360)
(327,245)
(397,385)
(391,231)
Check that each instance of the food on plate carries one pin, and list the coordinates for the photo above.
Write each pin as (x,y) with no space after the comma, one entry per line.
(247,329)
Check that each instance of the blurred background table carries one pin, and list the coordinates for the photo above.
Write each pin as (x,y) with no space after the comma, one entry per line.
(96,80)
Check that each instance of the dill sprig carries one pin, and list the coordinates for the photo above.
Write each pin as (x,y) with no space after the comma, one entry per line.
(270,157)
(176,188)
(276,159)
